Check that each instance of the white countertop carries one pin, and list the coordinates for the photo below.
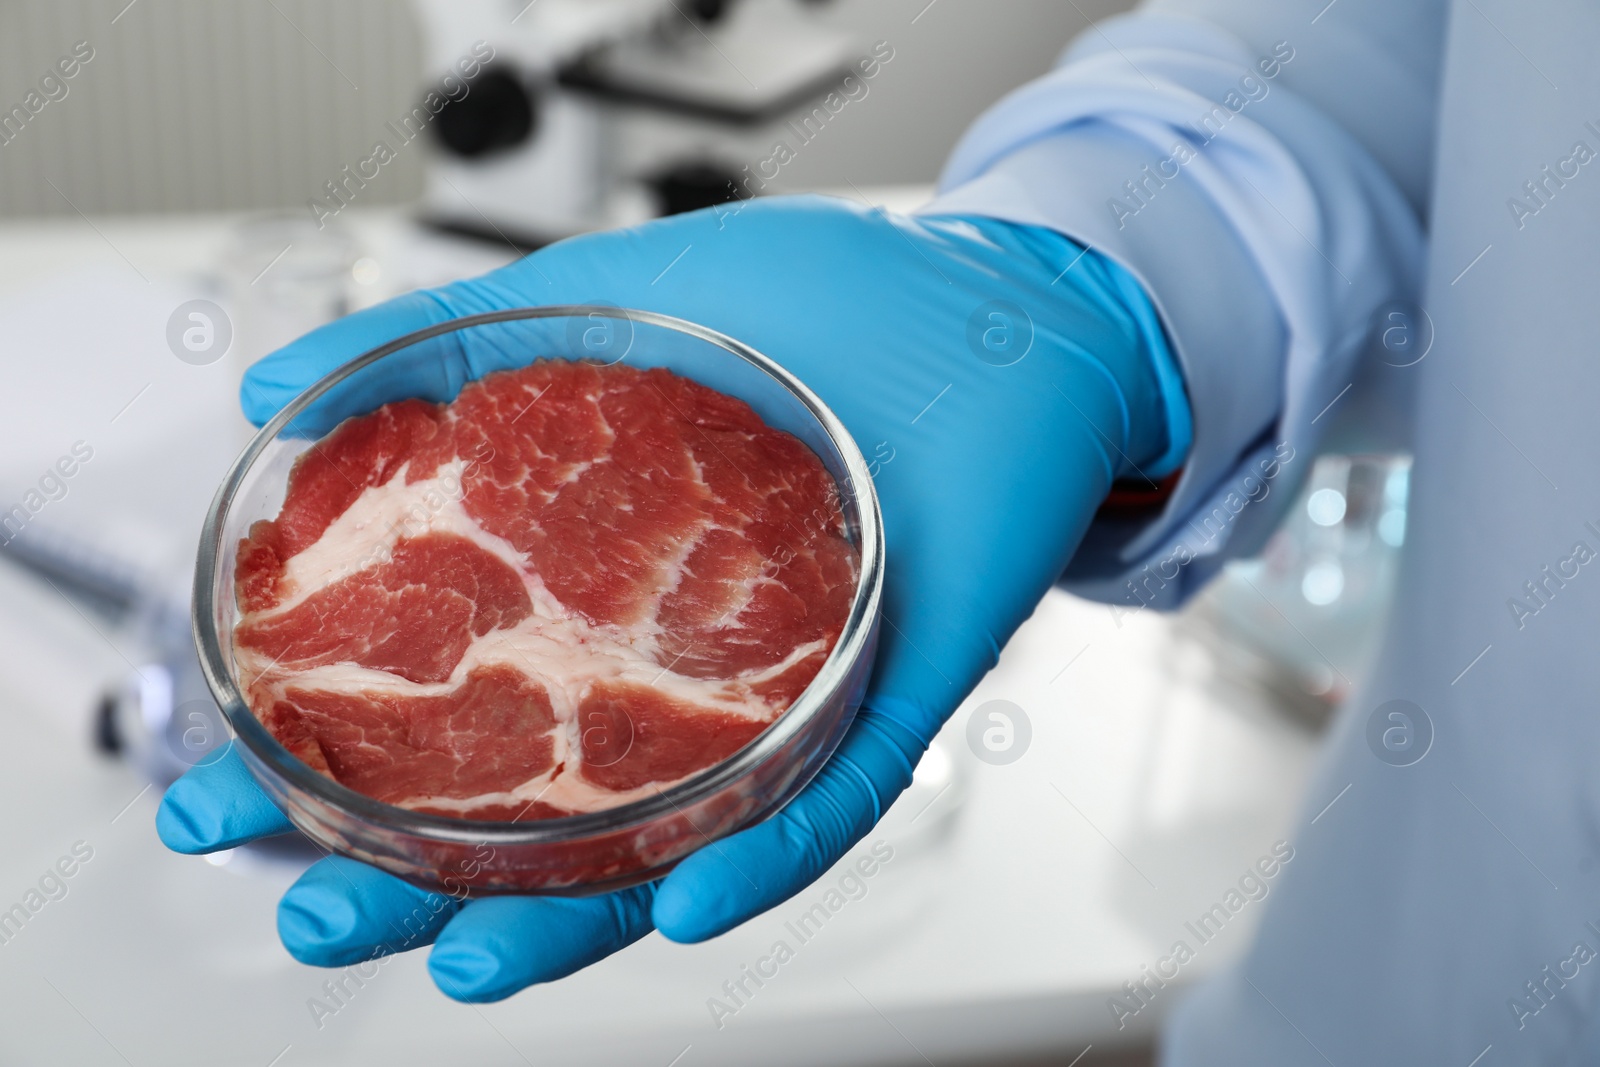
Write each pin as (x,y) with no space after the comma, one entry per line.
(1015,904)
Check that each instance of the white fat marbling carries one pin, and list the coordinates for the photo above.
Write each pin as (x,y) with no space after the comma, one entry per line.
(558,648)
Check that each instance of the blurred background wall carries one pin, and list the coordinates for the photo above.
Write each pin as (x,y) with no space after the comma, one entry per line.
(192,105)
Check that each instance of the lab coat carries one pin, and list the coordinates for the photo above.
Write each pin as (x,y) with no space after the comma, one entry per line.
(1343,164)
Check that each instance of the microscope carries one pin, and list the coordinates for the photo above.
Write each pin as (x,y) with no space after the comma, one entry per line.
(592,114)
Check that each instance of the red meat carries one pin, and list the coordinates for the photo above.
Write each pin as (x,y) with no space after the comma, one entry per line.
(496,727)
(632,736)
(570,586)
(413,614)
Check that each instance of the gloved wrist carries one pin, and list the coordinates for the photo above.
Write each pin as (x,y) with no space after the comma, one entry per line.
(1159,421)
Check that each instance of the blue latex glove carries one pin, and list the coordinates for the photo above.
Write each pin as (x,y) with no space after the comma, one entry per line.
(988,475)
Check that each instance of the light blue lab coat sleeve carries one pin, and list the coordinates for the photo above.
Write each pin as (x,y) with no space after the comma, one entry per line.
(1262,172)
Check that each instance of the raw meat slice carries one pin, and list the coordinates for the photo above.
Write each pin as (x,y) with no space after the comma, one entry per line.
(358,454)
(414,614)
(497,726)
(570,587)
(633,735)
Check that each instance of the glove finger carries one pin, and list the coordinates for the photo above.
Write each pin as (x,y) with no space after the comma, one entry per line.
(499,945)
(217,805)
(612,267)
(341,912)
(732,880)
(434,368)
(433,371)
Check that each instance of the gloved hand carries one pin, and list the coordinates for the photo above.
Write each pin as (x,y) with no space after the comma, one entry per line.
(994,432)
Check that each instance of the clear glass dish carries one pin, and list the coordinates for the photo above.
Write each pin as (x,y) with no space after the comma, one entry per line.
(576,854)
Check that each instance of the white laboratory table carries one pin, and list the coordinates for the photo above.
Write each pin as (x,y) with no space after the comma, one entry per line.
(1019,898)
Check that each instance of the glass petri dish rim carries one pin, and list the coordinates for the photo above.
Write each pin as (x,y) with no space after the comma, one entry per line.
(814,700)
